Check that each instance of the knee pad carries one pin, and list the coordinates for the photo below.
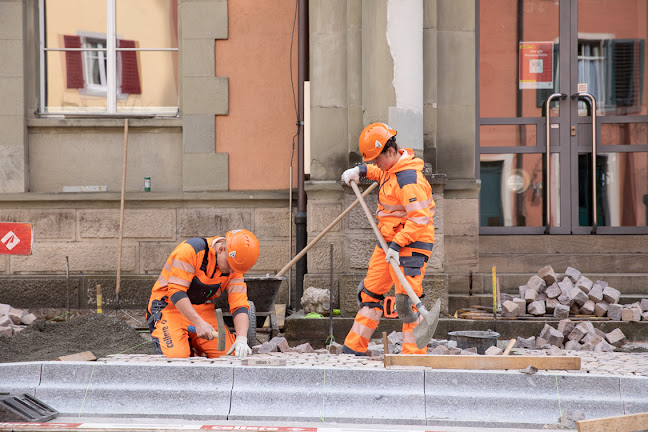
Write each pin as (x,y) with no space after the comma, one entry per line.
(404,309)
(377,297)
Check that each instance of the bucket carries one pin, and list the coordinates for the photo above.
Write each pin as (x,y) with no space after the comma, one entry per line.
(482,340)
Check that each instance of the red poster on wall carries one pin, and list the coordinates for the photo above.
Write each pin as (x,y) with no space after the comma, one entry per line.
(536,65)
(15,238)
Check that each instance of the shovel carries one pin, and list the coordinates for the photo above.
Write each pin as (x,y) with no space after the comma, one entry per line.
(424,331)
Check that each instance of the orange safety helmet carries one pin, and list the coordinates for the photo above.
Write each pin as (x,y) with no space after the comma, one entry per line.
(242,250)
(373,139)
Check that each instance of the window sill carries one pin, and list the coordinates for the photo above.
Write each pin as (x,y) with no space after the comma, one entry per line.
(104,122)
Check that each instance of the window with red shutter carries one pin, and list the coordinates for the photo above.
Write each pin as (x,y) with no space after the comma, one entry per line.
(130,80)
(73,63)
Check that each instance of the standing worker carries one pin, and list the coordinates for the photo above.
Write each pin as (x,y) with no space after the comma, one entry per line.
(405,210)
(201,269)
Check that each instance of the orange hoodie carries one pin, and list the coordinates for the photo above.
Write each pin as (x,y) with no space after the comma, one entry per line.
(405,203)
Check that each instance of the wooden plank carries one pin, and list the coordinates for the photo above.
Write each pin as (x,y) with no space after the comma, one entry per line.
(82,356)
(483,362)
(624,423)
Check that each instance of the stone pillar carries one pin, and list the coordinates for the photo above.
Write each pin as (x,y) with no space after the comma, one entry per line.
(204,95)
(14,176)
(392,67)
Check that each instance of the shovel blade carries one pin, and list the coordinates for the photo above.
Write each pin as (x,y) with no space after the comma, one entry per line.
(424,331)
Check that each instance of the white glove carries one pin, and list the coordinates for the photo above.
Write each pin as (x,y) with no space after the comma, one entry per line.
(392,253)
(241,347)
(351,174)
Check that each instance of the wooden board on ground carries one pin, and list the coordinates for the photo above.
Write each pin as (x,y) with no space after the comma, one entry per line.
(483,362)
(624,423)
(82,356)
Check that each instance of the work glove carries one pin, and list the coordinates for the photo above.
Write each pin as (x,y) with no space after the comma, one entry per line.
(241,347)
(392,252)
(351,174)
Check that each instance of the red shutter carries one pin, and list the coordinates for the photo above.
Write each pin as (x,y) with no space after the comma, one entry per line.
(73,62)
(130,81)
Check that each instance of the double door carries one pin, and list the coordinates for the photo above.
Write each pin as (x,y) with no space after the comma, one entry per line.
(563,131)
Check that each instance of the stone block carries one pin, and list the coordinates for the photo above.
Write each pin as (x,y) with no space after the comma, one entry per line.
(204,19)
(5,321)
(83,257)
(566,285)
(510,309)
(572,274)
(611,295)
(554,350)
(551,335)
(4,309)
(319,256)
(553,291)
(536,283)
(201,222)
(644,304)
(522,289)
(140,224)
(205,172)
(603,346)
(528,343)
(578,296)
(537,308)
(596,294)
(521,303)
(630,314)
(541,343)
(153,255)
(588,308)
(566,299)
(440,350)
(644,316)
(548,274)
(591,338)
(577,334)
(572,346)
(616,337)
(199,130)
(206,96)
(6,331)
(542,297)
(273,222)
(584,284)
(15,315)
(28,318)
(561,311)
(320,215)
(198,60)
(566,326)
(550,304)
(601,309)
(574,309)
(587,347)
(530,295)
(614,311)
(493,351)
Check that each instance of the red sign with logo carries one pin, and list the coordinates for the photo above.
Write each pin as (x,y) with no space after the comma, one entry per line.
(16,238)
(536,65)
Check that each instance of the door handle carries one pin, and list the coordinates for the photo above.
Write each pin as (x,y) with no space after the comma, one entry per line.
(592,101)
(548,156)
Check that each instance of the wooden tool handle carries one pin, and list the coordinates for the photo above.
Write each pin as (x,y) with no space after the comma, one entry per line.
(327,229)
(401,278)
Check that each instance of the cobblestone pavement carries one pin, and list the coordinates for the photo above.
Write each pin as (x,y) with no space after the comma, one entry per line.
(595,363)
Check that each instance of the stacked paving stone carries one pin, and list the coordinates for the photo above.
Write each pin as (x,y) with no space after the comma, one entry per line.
(13,320)
(547,293)
(574,336)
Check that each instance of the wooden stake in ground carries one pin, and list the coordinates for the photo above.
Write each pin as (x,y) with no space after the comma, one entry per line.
(121,215)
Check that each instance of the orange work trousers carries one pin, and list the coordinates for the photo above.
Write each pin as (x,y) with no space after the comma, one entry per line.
(379,280)
(174,339)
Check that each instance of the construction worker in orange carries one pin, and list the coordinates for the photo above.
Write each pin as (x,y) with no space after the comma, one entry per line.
(198,270)
(405,211)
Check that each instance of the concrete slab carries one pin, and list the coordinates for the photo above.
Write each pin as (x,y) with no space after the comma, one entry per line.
(330,395)
(20,377)
(162,390)
(634,393)
(519,398)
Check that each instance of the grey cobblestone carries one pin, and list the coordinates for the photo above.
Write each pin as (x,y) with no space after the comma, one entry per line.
(595,363)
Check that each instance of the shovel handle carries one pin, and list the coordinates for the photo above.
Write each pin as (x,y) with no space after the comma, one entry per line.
(327,229)
(401,278)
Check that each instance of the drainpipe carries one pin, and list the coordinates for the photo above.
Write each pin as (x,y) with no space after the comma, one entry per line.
(300,217)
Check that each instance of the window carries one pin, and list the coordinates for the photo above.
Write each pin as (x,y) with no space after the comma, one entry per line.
(108,57)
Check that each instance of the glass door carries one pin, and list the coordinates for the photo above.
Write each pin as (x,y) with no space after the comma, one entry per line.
(562,105)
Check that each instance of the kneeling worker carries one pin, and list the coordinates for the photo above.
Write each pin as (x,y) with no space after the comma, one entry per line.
(405,210)
(201,269)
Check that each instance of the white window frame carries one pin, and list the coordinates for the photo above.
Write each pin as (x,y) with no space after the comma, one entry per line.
(112,92)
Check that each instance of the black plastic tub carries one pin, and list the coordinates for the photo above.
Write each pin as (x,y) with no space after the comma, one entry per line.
(482,340)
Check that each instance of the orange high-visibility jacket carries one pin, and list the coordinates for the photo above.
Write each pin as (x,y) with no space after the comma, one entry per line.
(188,274)
(405,203)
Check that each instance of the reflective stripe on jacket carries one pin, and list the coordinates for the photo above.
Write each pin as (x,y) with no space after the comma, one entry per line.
(187,274)
(405,203)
